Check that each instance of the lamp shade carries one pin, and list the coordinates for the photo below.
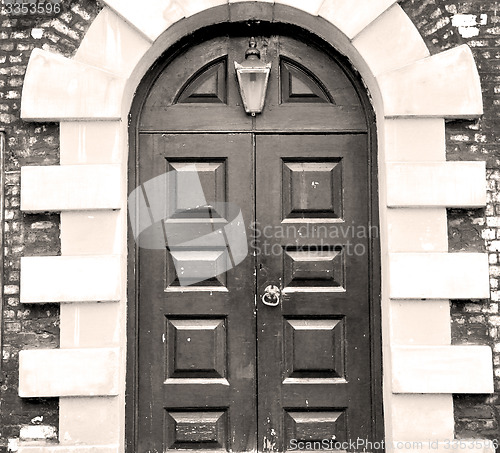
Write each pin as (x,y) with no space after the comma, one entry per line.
(253,77)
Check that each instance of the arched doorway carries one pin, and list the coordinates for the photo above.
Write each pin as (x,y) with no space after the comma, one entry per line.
(216,367)
(412,93)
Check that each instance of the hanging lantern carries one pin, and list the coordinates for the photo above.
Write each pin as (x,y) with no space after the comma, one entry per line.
(253,77)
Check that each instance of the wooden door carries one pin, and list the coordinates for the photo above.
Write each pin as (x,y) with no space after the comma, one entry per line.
(197,343)
(314,347)
(283,347)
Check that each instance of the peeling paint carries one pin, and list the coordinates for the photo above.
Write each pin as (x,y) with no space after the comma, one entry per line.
(269,445)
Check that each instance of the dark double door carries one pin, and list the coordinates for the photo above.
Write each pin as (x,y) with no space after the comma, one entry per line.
(276,347)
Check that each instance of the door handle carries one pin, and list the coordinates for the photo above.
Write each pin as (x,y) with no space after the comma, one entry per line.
(272,296)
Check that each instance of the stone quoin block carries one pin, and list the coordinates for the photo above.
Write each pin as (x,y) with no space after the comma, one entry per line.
(417,230)
(442,369)
(52,80)
(91,143)
(124,47)
(71,188)
(150,17)
(422,417)
(435,184)
(89,420)
(68,449)
(444,85)
(70,279)
(415,140)
(311,6)
(91,233)
(68,372)
(192,7)
(340,13)
(418,323)
(390,42)
(439,276)
(90,325)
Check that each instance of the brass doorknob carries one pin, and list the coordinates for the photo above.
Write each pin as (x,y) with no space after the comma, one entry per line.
(272,296)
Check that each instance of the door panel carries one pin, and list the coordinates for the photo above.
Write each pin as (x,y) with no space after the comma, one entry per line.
(314,348)
(197,342)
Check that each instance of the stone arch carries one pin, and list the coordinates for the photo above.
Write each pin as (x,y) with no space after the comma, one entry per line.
(413,94)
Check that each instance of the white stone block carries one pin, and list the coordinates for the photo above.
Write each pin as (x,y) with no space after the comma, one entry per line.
(91,233)
(422,418)
(435,184)
(417,230)
(91,143)
(445,85)
(150,17)
(90,420)
(415,140)
(68,372)
(309,6)
(71,188)
(90,325)
(70,279)
(439,276)
(390,42)
(112,44)
(442,369)
(352,16)
(418,323)
(68,449)
(192,7)
(57,88)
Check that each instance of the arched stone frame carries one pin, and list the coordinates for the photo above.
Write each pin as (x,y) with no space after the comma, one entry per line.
(413,93)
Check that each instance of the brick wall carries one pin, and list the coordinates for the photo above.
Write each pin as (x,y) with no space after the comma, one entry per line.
(37,144)
(445,24)
(29,326)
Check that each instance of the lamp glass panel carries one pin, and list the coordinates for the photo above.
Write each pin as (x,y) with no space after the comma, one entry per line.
(253,87)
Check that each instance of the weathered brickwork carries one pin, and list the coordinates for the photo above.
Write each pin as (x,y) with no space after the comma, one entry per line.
(443,24)
(29,326)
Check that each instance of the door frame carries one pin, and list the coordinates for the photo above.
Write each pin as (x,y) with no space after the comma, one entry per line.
(143,89)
